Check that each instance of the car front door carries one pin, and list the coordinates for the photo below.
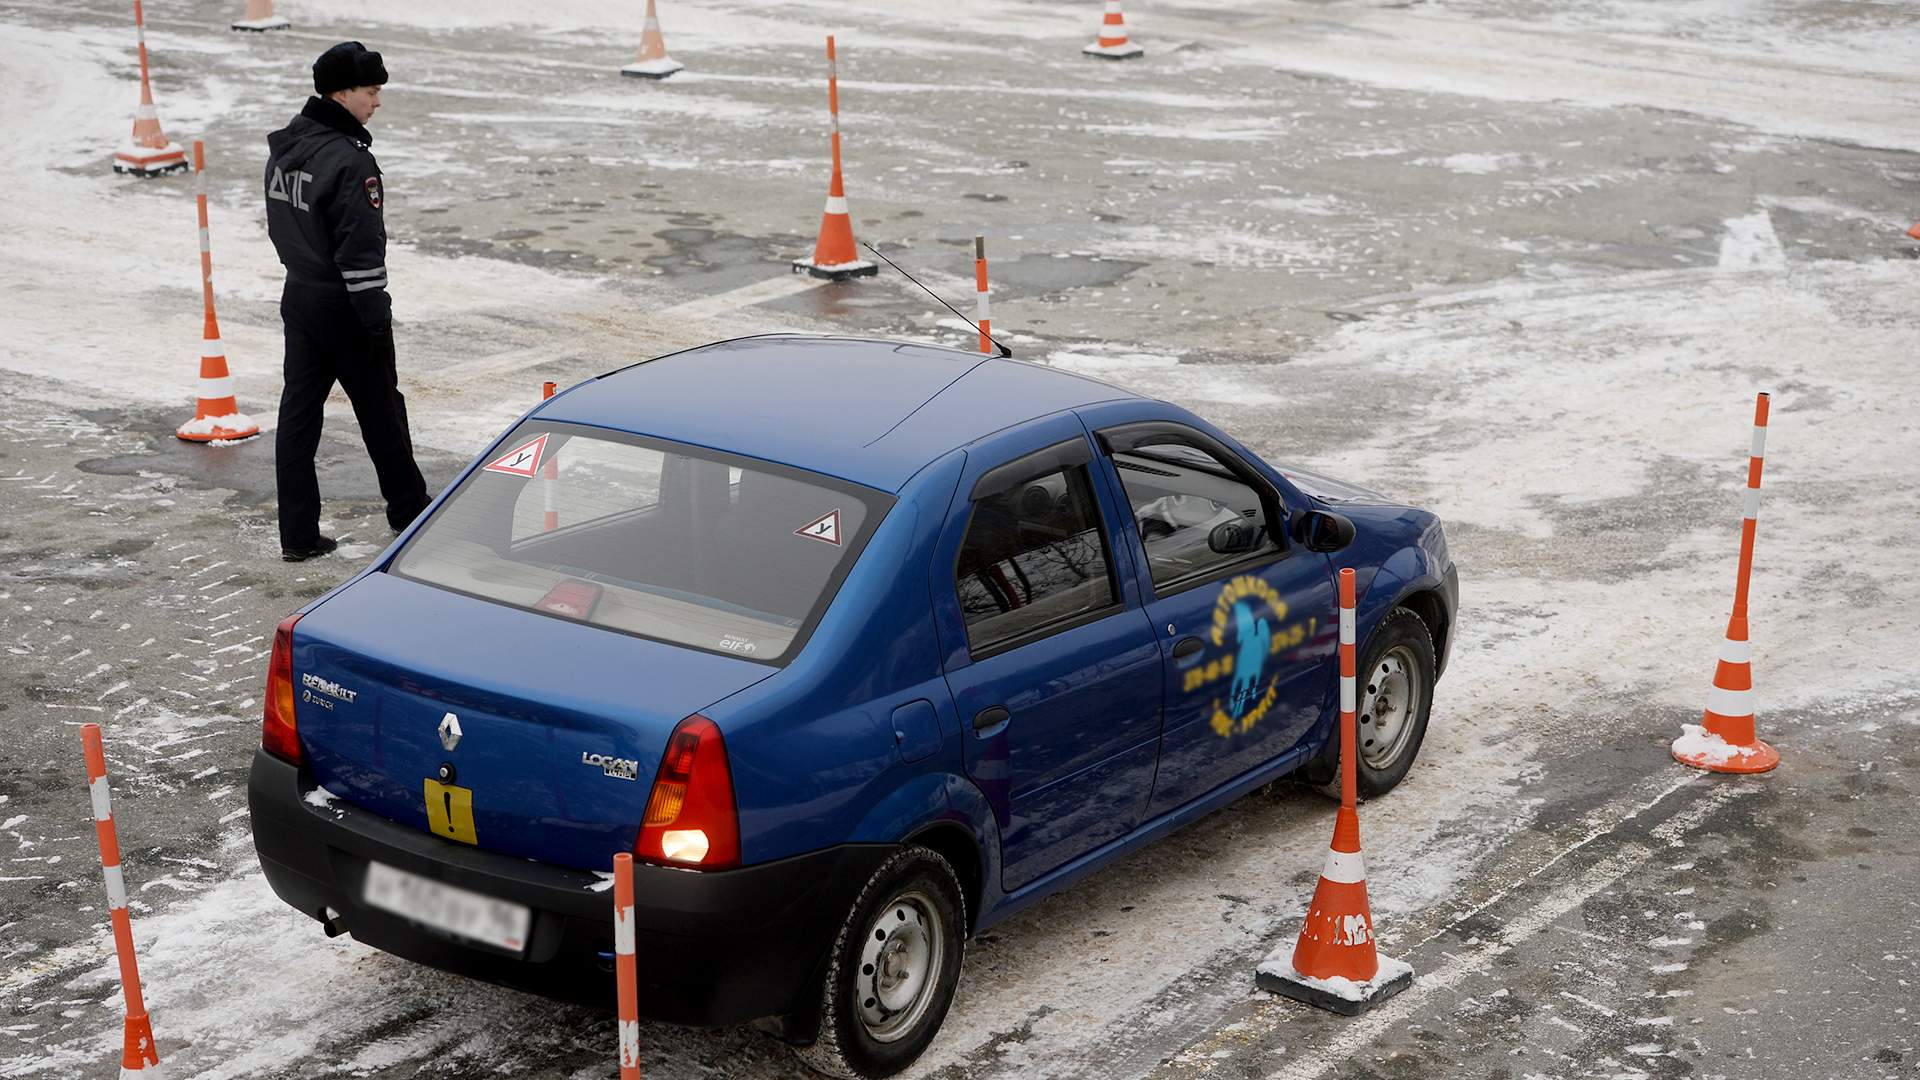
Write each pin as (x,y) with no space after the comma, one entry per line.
(1245,616)
(1053,665)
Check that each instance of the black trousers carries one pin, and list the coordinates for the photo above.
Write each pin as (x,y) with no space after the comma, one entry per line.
(326,343)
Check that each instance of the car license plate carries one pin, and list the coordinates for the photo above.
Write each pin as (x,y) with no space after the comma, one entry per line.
(462,912)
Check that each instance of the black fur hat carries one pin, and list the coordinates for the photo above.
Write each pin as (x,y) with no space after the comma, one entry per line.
(345,66)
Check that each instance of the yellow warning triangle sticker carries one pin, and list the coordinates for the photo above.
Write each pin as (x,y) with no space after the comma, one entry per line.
(522,461)
(825,529)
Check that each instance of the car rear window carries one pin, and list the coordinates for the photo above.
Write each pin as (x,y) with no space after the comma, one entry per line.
(657,539)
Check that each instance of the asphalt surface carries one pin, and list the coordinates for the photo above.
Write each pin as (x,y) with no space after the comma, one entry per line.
(1540,312)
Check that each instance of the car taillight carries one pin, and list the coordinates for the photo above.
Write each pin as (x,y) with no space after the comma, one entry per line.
(690,816)
(278,735)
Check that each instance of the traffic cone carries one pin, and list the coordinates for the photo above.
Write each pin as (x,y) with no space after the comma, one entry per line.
(138,1055)
(260,17)
(1915,231)
(217,414)
(1724,740)
(1112,42)
(1334,965)
(149,152)
(653,62)
(835,257)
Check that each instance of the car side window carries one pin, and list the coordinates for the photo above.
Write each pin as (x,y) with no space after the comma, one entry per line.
(1034,557)
(1194,513)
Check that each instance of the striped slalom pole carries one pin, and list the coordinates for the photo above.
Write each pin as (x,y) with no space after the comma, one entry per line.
(1334,963)
(981,312)
(1112,42)
(835,256)
(624,971)
(216,412)
(1724,740)
(138,1056)
(148,153)
(549,478)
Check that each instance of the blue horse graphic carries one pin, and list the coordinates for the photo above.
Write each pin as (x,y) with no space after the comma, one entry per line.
(1255,638)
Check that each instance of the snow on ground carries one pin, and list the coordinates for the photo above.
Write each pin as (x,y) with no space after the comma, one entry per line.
(1584,440)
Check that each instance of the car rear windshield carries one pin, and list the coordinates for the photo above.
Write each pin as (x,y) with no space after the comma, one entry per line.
(657,539)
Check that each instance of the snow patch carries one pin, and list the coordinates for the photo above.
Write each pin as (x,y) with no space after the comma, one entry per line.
(1751,244)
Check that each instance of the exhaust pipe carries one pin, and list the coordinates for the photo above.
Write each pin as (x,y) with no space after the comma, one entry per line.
(332,923)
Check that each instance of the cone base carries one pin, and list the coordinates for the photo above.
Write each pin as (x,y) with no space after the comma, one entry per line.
(1115,52)
(149,161)
(207,429)
(271,22)
(1701,749)
(1343,996)
(658,68)
(149,1072)
(835,271)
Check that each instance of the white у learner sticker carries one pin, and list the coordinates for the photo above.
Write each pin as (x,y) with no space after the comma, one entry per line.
(825,529)
(522,461)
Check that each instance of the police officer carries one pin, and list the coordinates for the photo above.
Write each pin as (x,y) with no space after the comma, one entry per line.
(323,215)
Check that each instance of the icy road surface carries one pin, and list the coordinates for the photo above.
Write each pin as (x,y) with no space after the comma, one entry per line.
(1522,263)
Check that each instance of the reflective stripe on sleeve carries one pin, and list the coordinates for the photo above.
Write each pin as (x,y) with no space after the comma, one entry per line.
(356,275)
(1345,867)
(363,286)
(116,887)
(623,931)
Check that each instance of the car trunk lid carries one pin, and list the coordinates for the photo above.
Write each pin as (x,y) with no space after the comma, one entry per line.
(557,727)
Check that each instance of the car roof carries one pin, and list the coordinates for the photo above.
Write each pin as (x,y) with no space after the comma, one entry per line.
(871,411)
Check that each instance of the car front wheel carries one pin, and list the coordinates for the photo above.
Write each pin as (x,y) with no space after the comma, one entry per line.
(893,969)
(1394,697)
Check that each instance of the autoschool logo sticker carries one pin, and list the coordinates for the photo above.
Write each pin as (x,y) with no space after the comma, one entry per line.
(1245,614)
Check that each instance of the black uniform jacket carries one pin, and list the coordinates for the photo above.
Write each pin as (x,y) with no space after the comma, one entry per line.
(323,209)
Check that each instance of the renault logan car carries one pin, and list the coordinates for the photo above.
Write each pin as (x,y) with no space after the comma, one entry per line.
(857,646)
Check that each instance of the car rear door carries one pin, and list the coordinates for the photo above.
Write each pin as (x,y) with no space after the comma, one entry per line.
(1246,636)
(1052,663)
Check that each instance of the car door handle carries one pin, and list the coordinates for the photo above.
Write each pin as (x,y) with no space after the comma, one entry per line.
(1187,647)
(991,717)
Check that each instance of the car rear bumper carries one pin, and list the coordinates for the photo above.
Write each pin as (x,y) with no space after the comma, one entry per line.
(714,947)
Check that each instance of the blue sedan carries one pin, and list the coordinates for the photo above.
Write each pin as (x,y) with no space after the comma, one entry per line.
(857,646)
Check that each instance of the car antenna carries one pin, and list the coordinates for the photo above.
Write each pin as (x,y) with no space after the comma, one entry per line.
(1004,351)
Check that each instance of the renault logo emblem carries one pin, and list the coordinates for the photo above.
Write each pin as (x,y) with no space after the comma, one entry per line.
(449,731)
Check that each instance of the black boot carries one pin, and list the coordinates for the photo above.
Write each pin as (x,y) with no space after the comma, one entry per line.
(323,546)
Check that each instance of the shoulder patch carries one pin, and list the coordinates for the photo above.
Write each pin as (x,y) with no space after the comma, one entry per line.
(373,192)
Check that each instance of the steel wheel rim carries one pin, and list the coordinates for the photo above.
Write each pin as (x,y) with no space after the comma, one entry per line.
(1389,701)
(902,956)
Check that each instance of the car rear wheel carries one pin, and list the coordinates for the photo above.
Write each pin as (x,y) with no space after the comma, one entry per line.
(892,971)
(1395,694)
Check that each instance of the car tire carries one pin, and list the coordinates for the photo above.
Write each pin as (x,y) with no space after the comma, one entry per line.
(891,973)
(1395,679)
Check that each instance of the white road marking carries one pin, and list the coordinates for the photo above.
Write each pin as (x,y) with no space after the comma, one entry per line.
(1462,966)
(773,288)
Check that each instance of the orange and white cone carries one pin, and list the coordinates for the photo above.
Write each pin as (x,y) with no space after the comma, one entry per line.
(1915,231)
(216,414)
(1724,740)
(1112,43)
(138,1055)
(549,477)
(148,152)
(835,256)
(626,967)
(260,17)
(1334,964)
(982,312)
(653,61)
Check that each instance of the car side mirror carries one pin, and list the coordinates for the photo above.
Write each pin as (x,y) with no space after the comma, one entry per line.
(1322,530)
(1233,538)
